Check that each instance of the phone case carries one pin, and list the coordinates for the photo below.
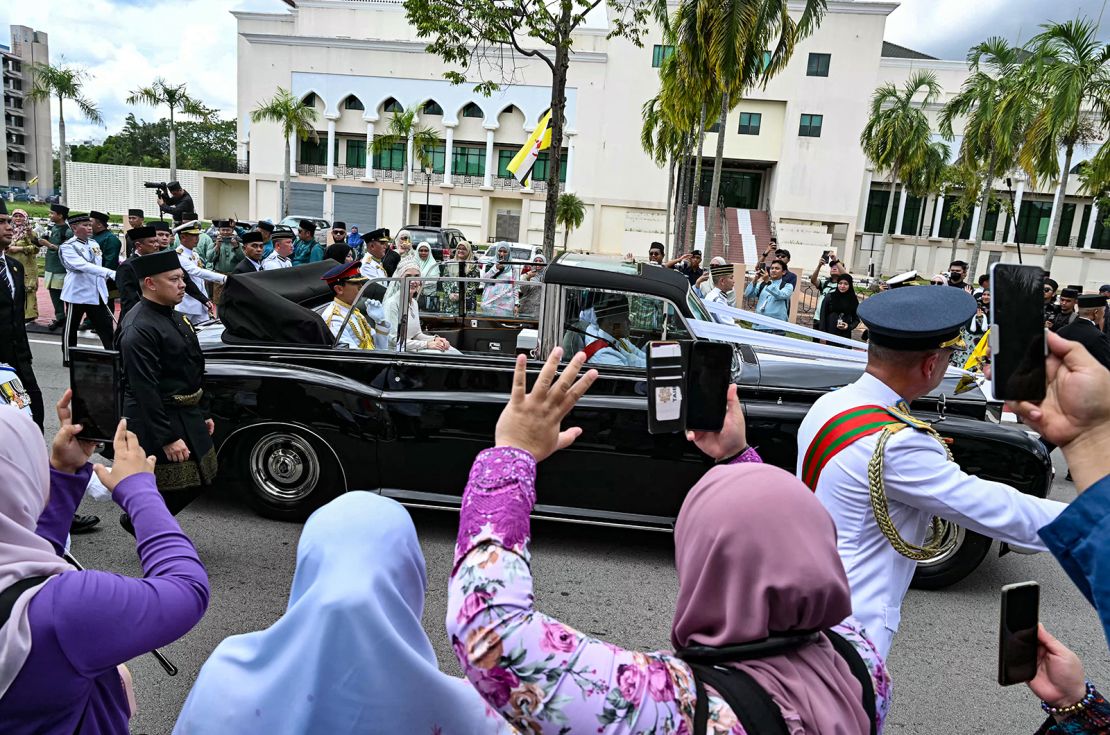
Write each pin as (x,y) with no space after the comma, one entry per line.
(666,377)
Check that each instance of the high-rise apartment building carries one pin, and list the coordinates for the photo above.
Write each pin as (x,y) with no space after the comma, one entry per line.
(26,151)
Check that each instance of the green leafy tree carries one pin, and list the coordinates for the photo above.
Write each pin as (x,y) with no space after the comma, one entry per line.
(722,46)
(176,99)
(666,145)
(204,145)
(403,127)
(486,39)
(927,180)
(992,131)
(293,118)
(570,212)
(897,135)
(1068,77)
(962,178)
(63,83)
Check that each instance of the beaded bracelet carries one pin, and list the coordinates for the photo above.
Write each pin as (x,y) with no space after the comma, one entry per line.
(1088,700)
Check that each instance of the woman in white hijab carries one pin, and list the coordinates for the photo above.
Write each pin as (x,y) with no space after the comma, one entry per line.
(429,269)
(349,655)
(416,340)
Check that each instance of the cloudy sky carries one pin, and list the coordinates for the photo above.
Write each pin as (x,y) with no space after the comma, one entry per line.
(128,43)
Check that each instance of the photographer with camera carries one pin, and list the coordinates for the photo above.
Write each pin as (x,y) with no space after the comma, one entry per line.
(825,286)
(172,199)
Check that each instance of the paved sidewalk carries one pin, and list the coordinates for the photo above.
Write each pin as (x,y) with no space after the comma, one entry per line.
(46,312)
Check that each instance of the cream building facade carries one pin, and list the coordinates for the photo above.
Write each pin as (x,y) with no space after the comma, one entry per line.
(792,149)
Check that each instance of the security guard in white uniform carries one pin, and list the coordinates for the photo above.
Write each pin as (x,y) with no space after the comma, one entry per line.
(279,257)
(189,235)
(913,331)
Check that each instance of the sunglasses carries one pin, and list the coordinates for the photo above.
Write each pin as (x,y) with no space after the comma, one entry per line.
(1047,289)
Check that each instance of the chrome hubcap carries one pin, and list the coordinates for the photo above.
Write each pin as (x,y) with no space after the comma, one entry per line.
(284,467)
(951,552)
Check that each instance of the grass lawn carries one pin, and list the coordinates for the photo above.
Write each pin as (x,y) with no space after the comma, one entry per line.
(42,211)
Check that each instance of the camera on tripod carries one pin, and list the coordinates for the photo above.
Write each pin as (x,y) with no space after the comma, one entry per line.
(163,189)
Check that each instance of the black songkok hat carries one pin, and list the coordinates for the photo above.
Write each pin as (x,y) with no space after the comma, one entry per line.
(911,319)
(1069,293)
(266,226)
(250,237)
(100,217)
(135,213)
(1091,301)
(307,224)
(139,233)
(160,225)
(339,225)
(155,263)
(221,223)
(281,232)
(60,209)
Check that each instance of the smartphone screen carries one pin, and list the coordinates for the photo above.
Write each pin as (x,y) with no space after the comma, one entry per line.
(1017,633)
(707,385)
(1017,340)
(94,377)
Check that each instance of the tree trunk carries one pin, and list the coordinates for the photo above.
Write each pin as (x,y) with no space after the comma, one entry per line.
(978,246)
(566,237)
(715,188)
(173,148)
(682,196)
(1058,208)
(886,222)
(688,243)
(956,237)
(64,194)
(670,194)
(558,111)
(405,174)
(285,178)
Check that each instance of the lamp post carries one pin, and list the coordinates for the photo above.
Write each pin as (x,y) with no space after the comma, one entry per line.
(428,196)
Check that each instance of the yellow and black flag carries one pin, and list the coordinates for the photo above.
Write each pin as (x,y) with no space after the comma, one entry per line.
(525,160)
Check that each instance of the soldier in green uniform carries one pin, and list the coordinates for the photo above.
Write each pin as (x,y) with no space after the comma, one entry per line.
(55,271)
(110,248)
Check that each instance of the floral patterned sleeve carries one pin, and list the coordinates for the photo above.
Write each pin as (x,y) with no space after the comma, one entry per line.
(543,676)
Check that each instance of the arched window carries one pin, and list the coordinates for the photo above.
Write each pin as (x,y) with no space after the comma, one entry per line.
(309,100)
(353,103)
(392,105)
(472,110)
(431,107)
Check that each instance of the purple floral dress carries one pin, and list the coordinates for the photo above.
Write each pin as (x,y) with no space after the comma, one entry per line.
(543,676)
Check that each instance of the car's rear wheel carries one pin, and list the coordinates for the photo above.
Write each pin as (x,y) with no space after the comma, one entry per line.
(286,474)
(950,567)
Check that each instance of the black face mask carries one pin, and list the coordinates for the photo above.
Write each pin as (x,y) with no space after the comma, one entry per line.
(955,277)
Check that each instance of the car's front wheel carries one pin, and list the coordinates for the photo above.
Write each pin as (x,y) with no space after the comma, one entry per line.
(287,474)
(953,565)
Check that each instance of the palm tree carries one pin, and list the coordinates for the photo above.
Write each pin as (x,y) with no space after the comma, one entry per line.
(176,98)
(992,136)
(294,118)
(1069,79)
(64,83)
(962,177)
(570,212)
(403,127)
(665,144)
(926,180)
(722,45)
(897,135)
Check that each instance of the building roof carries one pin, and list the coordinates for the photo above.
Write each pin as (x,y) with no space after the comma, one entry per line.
(894,51)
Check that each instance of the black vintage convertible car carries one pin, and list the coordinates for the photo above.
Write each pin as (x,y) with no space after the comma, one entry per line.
(300,417)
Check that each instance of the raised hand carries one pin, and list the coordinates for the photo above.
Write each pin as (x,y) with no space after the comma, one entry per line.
(1060,681)
(731,439)
(130,459)
(531,420)
(68,453)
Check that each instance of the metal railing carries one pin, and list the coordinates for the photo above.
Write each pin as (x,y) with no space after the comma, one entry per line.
(419,178)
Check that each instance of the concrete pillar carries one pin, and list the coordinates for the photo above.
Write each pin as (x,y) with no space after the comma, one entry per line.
(369,151)
(1011,229)
(569,186)
(901,211)
(975,221)
(938,215)
(448,155)
(488,183)
(331,146)
(1092,220)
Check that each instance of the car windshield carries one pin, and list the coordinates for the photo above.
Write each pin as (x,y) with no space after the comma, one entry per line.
(424,236)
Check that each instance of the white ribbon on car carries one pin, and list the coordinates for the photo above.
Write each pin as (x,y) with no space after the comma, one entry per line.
(852,351)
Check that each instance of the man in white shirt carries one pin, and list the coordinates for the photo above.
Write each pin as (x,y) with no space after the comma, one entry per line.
(913,332)
(85,291)
(281,255)
(188,235)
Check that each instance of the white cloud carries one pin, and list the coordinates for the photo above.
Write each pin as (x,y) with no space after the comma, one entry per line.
(126,44)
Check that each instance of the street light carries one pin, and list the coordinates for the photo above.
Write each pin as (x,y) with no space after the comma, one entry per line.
(428,196)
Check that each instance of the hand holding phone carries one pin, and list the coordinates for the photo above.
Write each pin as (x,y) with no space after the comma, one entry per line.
(733,436)
(1060,680)
(1017,633)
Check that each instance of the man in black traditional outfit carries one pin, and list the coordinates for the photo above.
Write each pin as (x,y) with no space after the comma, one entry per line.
(162,371)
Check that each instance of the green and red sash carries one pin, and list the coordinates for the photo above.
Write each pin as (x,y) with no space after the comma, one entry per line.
(839,433)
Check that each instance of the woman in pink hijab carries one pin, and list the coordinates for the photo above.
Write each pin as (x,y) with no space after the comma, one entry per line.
(756,559)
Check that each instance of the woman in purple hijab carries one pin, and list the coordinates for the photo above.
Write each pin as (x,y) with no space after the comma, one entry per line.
(755,554)
(68,631)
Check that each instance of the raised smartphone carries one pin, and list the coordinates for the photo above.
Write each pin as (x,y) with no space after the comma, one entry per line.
(1018,343)
(708,376)
(94,376)
(1017,632)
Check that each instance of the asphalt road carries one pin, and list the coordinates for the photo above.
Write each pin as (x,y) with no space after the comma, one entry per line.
(616,585)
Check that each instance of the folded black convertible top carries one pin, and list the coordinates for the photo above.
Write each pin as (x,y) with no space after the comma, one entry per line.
(266,307)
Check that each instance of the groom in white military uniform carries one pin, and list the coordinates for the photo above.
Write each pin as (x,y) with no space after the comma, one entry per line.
(913,332)
(189,235)
(85,290)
